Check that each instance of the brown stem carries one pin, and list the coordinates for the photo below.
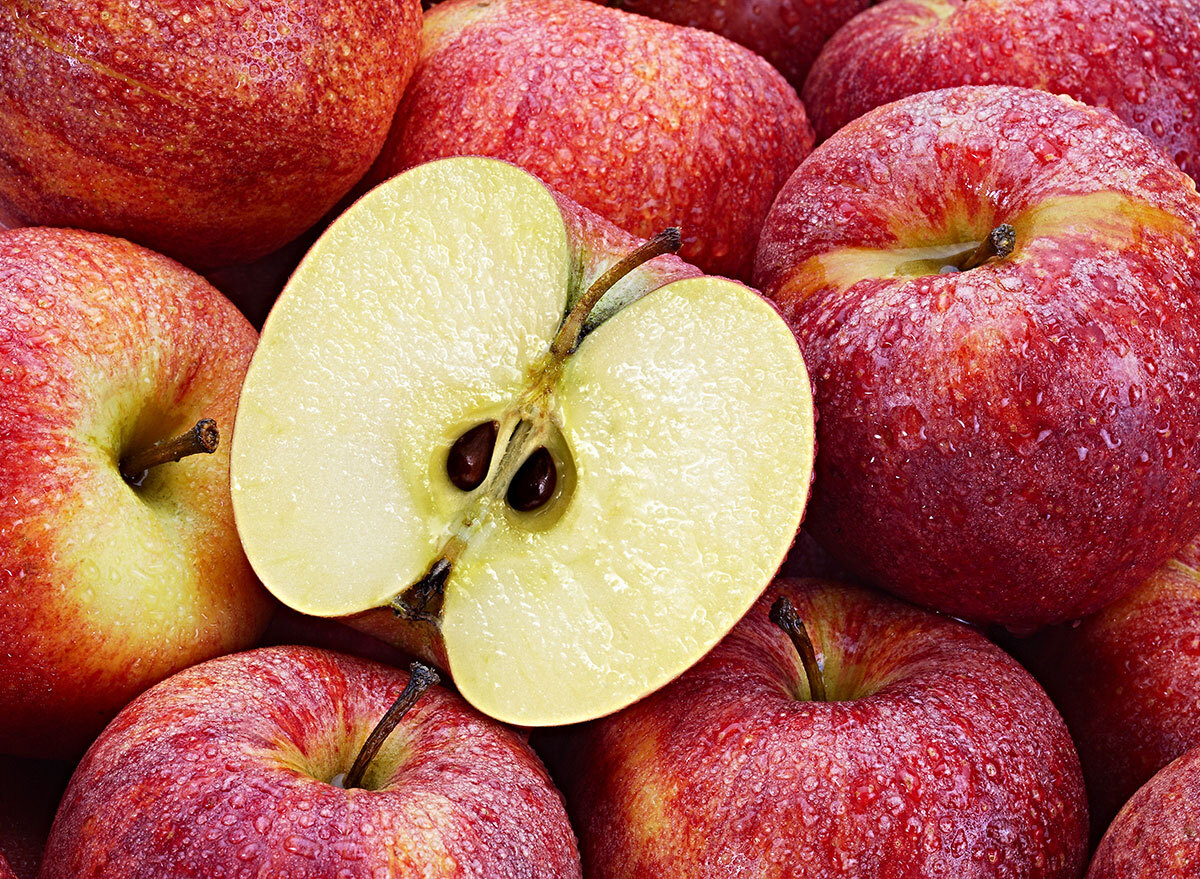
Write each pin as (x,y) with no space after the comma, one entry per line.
(201,439)
(784,615)
(423,599)
(666,241)
(421,678)
(1000,243)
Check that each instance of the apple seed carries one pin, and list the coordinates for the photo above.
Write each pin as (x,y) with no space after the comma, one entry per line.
(471,455)
(534,483)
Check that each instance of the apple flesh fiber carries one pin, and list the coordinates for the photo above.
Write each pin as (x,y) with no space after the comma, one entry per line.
(214,132)
(1127,681)
(933,755)
(1138,58)
(646,123)
(233,768)
(679,432)
(1006,438)
(108,585)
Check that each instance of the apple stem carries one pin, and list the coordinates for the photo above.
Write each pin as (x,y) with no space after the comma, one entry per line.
(666,241)
(784,615)
(421,677)
(201,439)
(999,243)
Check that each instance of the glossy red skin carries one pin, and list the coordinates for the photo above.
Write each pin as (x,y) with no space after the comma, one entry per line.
(29,795)
(1139,58)
(212,131)
(1127,681)
(648,124)
(211,773)
(947,761)
(1157,834)
(84,319)
(6,871)
(788,33)
(954,408)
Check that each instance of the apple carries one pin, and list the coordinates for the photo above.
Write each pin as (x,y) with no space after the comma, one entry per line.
(290,628)
(995,290)
(29,794)
(212,132)
(1138,58)
(788,33)
(113,574)
(933,754)
(235,768)
(1157,834)
(1127,681)
(648,124)
(564,502)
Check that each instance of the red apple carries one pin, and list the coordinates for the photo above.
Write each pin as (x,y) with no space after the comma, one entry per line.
(287,627)
(214,132)
(935,755)
(226,770)
(1127,682)
(788,33)
(1139,58)
(110,582)
(1015,442)
(1157,834)
(648,124)
(29,794)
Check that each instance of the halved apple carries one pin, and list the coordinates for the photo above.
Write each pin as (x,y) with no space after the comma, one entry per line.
(565,503)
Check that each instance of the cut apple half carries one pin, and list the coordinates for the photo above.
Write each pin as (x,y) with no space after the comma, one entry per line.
(574,517)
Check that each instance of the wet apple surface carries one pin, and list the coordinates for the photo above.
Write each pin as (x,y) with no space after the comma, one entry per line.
(1017,442)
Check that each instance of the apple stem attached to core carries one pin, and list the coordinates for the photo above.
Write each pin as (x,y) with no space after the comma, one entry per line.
(784,615)
(201,439)
(999,243)
(421,678)
(526,476)
(666,241)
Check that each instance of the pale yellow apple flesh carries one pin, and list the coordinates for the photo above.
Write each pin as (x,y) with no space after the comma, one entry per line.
(682,428)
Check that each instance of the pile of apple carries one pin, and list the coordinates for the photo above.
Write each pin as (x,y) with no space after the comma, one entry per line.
(516,469)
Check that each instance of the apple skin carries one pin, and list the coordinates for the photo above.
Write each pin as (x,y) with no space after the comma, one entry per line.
(289,627)
(29,795)
(224,768)
(1139,58)
(648,124)
(1127,681)
(1015,443)
(214,135)
(788,33)
(105,348)
(945,759)
(1157,833)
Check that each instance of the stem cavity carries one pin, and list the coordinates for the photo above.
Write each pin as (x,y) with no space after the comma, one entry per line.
(784,615)
(201,439)
(421,678)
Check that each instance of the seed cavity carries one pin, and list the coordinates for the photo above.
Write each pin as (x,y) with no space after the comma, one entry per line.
(534,484)
(470,457)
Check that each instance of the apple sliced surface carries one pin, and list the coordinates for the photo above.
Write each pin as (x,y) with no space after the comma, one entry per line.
(441,316)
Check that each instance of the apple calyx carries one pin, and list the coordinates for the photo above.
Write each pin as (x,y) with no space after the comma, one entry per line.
(527,475)
(999,244)
(203,438)
(783,614)
(421,678)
